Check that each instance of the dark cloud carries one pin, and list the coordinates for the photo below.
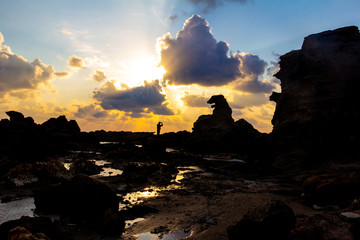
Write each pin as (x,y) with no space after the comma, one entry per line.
(172,18)
(16,73)
(274,68)
(252,69)
(99,76)
(195,57)
(137,100)
(61,74)
(206,5)
(248,100)
(91,111)
(195,100)
(75,62)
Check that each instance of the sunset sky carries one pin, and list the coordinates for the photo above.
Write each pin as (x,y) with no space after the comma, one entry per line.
(125,65)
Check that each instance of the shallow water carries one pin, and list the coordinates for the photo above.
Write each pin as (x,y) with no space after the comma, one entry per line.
(180,234)
(16,209)
(184,170)
(106,171)
(103,143)
(169,150)
(224,159)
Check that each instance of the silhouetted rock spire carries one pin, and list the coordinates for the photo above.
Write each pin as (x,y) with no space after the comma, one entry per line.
(318,111)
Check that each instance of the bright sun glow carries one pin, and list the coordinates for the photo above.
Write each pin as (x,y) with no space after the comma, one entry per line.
(142,69)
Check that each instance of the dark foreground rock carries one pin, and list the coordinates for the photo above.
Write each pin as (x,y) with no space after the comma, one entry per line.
(36,225)
(85,201)
(273,221)
(323,227)
(318,110)
(21,233)
(24,141)
(332,188)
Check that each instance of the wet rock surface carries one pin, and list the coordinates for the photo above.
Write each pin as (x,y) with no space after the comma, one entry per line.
(217,182)
(272,221)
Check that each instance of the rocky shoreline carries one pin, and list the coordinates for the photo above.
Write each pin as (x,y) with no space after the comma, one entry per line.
(224,180)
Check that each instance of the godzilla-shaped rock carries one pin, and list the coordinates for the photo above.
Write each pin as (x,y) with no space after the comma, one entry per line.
(317,113)
(219,132)
(219,122)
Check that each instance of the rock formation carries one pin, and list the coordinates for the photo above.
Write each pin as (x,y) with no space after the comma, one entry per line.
(22,140)
(318,109)
(219,132)
(61,126)
(271,221)
(219,122)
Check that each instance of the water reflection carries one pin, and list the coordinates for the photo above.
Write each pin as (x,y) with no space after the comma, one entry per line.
(134,198)
(109,172)
(169,150)
(180,234)
(103,143)
(184,170)
(16,209)
(224,159)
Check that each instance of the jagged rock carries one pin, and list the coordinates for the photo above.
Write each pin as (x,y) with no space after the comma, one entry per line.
(272,221)
(318,110)
(332,188)
(31,224)
(21,233)
(217,124)
(321,227)
(81,199)
(219,132)
(84,166)
(42,172)
(61,126)
(15,116)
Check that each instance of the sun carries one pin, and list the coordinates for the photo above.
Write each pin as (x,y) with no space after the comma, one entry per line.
(144,68)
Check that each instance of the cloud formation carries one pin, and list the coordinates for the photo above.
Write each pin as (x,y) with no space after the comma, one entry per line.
(206,5)
(195,100)
(75,62)
(137,100)
(61,74)
(99,76)
(252,69)
(172,18)
(195,57)
(16,73)
(248,100)
(91,110)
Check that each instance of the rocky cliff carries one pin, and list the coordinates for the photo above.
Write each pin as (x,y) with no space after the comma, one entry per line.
(317,113)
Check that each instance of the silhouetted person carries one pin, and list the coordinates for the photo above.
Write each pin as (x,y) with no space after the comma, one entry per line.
(159,125)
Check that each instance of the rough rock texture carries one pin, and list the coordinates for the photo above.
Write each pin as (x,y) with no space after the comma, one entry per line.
(332,188)
(61,126)
(32,225)
(323,227)
(272,221)
(21,233)
(219,122)
(318,110)
(219,132)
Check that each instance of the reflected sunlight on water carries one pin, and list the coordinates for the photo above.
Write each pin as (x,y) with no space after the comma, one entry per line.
(16,209)
(184,170)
